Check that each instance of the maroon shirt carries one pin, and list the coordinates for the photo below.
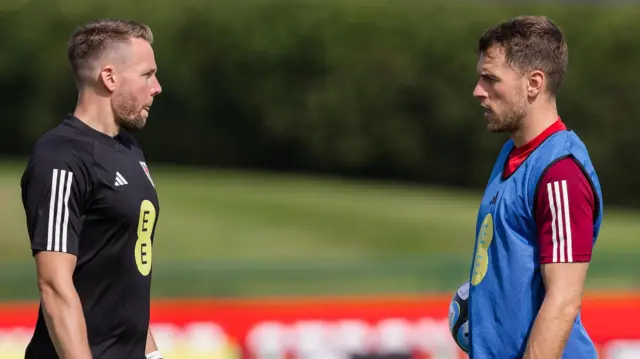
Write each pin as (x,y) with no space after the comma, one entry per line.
(565,205)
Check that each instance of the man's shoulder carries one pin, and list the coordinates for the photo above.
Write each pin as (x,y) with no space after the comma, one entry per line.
(62,140)
(565,142)
(62,146)
(56,153)
(563,168)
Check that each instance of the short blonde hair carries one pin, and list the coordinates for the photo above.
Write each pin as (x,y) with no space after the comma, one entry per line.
(94,39)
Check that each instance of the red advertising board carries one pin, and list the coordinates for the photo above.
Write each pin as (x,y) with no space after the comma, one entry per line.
(327,327)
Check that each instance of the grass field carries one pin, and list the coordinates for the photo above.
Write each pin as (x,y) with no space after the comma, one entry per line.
(230,233)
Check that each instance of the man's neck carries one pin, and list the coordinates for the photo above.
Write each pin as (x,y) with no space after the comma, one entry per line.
(96,114)
(534,124)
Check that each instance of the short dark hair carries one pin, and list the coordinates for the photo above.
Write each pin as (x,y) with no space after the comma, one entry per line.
(530,43)
(94,39)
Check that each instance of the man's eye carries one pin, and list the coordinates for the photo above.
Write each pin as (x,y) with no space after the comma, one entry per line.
(489,78)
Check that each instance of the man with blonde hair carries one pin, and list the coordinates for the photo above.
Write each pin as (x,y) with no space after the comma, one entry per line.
(91,205)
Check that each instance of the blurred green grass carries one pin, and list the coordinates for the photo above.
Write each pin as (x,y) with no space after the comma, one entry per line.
(241,233)
(225,215)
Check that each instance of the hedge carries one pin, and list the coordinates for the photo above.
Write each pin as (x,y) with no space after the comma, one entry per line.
(361,88)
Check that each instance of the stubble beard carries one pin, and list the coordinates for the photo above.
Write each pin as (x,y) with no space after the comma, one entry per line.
(509,119)
(128,112)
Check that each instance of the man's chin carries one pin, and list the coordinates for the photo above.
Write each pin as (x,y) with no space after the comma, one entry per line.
(493,129)
(494,126)
(133,125)
(499,127)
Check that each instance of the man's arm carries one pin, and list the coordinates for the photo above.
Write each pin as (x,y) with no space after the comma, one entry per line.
(53,188)
(564,283)
(151,349)
(564,216)
(61,306)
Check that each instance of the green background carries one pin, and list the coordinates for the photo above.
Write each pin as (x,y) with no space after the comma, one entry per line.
(321,147)
(248,234)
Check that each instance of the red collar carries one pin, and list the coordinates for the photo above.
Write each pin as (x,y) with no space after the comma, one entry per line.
(520,154)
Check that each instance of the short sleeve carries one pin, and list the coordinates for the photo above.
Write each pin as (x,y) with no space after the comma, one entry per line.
(565,208)
(54,187)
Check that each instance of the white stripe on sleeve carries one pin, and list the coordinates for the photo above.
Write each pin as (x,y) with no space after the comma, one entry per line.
(59,211)
(65,223)
(556,189)
(567,218)
(554,234)
(560,221)
(52,211)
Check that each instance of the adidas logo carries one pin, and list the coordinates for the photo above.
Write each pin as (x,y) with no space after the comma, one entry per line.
(120,181)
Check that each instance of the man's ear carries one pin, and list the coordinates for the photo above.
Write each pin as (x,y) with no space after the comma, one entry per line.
(108,77)
(536,83)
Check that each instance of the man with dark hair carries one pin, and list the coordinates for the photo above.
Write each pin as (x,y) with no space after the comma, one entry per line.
(542,207)
(91,206)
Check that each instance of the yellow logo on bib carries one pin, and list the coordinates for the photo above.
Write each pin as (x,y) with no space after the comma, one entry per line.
(481,261)
(143,251)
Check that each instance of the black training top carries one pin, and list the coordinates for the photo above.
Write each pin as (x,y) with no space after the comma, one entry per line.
(91,195)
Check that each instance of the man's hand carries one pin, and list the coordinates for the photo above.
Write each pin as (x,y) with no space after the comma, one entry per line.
(564,283)
(151,343)
(61,305)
